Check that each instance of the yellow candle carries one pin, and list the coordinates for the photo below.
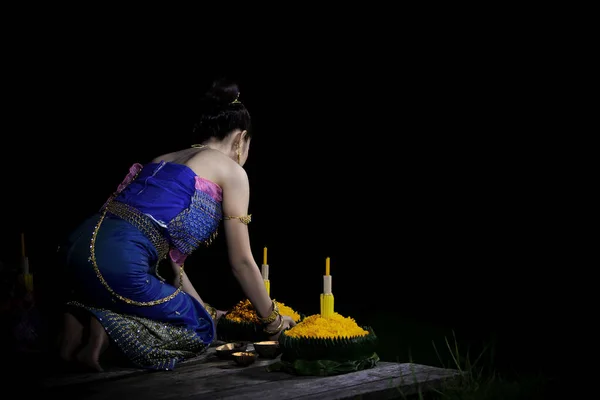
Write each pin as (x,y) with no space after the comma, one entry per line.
(327,305)
(327,299)
(265,255)
(22,244)
(28,280)
(267,286)
(25,265)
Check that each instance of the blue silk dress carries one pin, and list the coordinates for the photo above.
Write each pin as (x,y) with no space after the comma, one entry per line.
(160,210)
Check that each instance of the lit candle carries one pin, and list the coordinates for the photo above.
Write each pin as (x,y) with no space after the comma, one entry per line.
(27,277)
(327,299)
(327,278)
(265,272)
(265,275)
(327,308)
(28,281)
(25,265)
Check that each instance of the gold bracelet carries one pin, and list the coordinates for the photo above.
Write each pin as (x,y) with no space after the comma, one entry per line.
(276,330)
(272,317)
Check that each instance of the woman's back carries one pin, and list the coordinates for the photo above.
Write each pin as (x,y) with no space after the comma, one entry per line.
(162,190)
(186,206)
(205,162)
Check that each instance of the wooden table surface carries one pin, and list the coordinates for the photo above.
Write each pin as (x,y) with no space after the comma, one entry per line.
(208,377)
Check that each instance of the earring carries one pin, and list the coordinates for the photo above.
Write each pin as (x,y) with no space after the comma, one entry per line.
(239,154)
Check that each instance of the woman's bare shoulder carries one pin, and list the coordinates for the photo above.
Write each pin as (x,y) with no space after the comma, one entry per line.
(214,165)
(178,157)
(168,157)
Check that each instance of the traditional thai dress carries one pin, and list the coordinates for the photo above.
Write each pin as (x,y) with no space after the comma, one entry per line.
(160,210)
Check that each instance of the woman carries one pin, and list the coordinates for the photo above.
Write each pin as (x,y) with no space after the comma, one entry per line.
(165,209)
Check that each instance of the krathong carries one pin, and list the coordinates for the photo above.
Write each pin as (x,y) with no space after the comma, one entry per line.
(242,323)
(244,312)
(335,326)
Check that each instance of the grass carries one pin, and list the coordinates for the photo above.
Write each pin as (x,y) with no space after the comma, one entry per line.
(415,342)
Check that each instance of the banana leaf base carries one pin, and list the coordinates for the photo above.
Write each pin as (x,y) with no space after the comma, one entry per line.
(334,349)
(323,367)
(325,357)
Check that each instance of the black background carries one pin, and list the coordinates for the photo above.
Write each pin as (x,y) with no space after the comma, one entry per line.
(413,166)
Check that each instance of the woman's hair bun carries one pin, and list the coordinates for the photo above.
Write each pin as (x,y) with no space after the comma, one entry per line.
(222,91)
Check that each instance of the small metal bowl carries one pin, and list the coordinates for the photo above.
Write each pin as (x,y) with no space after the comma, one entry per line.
(244,358)
(267,349)
(225,351)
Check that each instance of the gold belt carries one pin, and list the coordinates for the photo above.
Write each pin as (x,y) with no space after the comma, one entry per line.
(143,223)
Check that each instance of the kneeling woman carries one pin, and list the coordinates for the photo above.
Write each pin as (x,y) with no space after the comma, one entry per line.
(166,208)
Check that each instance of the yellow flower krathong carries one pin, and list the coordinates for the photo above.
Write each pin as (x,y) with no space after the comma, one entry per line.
(244,312)
(335,326)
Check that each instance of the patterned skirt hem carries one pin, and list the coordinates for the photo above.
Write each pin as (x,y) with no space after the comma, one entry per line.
(147,343)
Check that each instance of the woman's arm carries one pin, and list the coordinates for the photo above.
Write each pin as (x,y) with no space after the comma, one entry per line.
(236,197)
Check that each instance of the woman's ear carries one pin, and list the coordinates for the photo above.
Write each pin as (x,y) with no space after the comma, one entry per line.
(239,139)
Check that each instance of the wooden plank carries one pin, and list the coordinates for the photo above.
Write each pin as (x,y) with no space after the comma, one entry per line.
(226,381)
(385,378)
(208,377)
(177,384)
(220,368)
(79,378)
(422,379)
(197,368)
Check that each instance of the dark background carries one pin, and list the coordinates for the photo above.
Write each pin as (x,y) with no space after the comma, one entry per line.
(415,169)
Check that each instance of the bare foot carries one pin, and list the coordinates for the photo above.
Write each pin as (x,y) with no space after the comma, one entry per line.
(71,337)
(96,345)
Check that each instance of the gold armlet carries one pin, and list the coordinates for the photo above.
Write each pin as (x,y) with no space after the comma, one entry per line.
(243,219)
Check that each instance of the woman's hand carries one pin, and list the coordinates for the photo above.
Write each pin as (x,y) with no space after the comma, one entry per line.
(288,323)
